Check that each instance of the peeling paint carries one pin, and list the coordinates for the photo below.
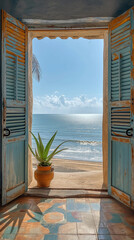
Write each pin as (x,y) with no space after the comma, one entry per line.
(119,195)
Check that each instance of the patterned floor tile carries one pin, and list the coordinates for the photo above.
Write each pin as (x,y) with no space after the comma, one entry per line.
(117,237)
(95,206)
(68,228)
(80,206)
(67,237)
(70,205)
(83,228)
(103,231)
(121,229)
(100,220)
(72,217)
(32,228)
(59,219)
(29,237)
(54,217)
(93,200)
(85,217)
(87,237)
(105,237)
(51,237)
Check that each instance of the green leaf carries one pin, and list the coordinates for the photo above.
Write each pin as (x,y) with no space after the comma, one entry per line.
(31,150)
(53,153)
(47,148)
(61,150)
(41,146)
(38,157)
(37,143)
(41,153)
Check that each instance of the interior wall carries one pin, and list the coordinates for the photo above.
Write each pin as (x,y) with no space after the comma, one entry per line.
(30,107)
(75,34)
(105,111)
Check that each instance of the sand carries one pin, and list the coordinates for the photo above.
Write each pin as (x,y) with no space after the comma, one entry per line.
(72,174)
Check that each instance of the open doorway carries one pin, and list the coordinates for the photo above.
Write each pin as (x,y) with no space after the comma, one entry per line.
(69,98)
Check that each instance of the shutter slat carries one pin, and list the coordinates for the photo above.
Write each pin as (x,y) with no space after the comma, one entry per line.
(120,120)
(15,121)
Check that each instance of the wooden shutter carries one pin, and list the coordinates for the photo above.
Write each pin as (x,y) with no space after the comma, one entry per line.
(121,109)
(14,107)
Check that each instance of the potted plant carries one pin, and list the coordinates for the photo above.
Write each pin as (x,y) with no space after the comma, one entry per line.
(44,172)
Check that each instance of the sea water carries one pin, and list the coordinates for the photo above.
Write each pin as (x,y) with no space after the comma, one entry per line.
(84,131)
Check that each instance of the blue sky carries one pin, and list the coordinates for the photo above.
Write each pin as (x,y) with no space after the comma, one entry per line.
(71,76)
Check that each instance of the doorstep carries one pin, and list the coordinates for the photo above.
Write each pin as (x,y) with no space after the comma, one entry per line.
(66,193)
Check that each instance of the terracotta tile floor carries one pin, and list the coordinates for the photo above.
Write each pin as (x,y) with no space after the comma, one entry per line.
(66,219)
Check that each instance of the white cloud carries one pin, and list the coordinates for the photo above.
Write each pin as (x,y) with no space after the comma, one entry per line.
(61,104)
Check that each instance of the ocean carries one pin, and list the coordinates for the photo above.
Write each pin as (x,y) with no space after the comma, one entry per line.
(84,131)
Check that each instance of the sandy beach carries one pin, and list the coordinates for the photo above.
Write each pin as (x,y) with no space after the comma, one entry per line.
(72,174)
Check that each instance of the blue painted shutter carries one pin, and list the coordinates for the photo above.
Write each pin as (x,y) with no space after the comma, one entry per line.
(121,100)
(14,118)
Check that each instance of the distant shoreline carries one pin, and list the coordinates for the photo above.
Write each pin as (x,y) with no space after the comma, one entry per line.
(67,113)
(80,161)
(72,161)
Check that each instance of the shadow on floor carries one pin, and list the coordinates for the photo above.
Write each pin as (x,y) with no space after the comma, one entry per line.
(13,215)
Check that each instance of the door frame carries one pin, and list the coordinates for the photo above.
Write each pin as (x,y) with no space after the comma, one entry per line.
(100,33)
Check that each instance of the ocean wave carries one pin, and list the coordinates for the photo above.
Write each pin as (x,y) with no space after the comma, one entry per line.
(93,143)
(78,151)
(82,142)
(84,157)
(82,151)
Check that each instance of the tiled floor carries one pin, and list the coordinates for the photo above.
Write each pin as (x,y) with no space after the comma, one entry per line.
(66,219)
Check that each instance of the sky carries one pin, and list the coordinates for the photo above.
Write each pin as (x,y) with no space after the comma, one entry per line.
(71,76)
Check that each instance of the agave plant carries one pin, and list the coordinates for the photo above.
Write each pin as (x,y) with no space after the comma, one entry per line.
(42,152)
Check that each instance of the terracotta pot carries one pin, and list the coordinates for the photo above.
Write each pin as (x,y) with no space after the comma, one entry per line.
(44,176)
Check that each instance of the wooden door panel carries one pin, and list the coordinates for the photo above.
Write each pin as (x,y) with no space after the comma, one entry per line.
(121,106)
(14,107)
(15,162)
(121,166)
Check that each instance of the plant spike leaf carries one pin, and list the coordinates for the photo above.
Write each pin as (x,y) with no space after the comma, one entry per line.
(41,153)
(61,150)
(47,148)
(53,154)
(37,143)
(37,156)
(31,150)
(56,149)
(41,146)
